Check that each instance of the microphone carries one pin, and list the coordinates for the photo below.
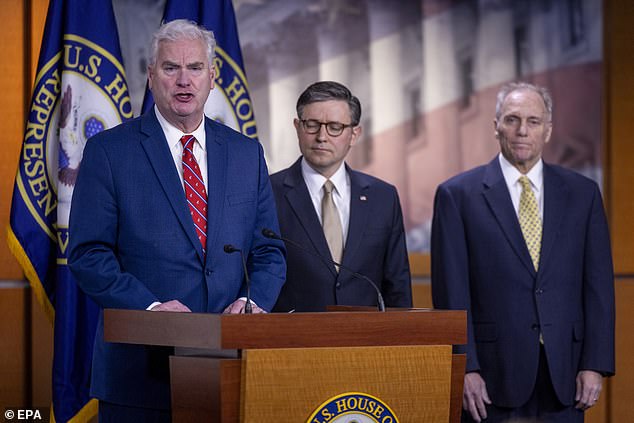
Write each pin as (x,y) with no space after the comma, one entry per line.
(230,249)
(268,233)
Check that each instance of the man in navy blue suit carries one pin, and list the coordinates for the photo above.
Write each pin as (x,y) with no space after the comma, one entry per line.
(524,247)
(337,213)
(141,234)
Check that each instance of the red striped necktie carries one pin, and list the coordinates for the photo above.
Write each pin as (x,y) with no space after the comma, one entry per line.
(195,189)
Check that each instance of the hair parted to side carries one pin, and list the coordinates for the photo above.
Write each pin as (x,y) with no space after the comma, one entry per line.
(182,29)
(329,90)
(514,86)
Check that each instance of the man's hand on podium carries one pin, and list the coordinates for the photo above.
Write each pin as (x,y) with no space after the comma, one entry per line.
(173,305)
(237,307)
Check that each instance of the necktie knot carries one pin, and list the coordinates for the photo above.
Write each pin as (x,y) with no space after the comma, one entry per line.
(187,141)
(525,182)
(328,186)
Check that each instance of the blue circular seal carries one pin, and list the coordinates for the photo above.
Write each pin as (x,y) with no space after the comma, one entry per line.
(79,92)
(231,104)
(353,407)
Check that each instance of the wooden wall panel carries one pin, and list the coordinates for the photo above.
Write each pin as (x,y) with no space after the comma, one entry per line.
(420,265)
(42,355)
(38,9)
(26,335)
(619,89)
(12,120)
(621,387)
(619,93)
(421,293)
(13,344)
(42,328)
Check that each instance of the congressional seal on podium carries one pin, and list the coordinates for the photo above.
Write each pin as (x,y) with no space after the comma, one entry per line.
(353,407)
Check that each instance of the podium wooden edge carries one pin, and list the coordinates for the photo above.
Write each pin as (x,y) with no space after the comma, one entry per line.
(331,329)
(194,383)
(458,366)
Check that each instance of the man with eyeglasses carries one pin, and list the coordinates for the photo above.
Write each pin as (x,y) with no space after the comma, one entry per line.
(337,213)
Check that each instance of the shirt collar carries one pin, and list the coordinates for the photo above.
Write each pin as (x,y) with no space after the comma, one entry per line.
(173,134)
(511,174)
(315,180)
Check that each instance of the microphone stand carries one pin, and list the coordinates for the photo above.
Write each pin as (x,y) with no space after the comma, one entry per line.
(268,233)
(229,249)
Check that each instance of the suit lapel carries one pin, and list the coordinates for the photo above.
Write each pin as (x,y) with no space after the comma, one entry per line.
(498,198)
(160,158)
(555,197)
(217,159)
(359,210)
(298,198)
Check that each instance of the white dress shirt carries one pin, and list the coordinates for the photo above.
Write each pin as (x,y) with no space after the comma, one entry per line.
(173,136)
(535,175)
(341,193)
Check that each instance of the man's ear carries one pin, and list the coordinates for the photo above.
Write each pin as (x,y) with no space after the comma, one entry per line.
(356,134)
(212,75)
(150,76)
(550,131)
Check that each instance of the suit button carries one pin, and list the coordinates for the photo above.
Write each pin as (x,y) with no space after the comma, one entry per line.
(539,291)
(208,272)
(535,326)
(338,285)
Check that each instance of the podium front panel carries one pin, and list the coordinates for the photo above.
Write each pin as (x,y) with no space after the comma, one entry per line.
(290,385)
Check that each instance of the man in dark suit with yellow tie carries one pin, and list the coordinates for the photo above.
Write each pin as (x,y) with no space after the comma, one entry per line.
(524,247)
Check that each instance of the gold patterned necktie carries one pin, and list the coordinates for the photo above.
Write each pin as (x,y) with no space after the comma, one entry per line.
(331,223)
(530,220)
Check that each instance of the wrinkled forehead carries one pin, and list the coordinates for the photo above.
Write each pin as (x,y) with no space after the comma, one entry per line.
(524,103)
(182,50)
(332,109)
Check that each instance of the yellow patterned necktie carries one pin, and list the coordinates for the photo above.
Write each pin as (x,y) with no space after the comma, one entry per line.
(331,223)
(530,220)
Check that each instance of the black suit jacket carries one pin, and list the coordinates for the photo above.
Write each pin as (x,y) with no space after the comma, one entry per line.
(480,263)
(375,246)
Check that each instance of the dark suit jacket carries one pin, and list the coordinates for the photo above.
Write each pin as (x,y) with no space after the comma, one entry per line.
(480,263)
(132,241)
(375,246)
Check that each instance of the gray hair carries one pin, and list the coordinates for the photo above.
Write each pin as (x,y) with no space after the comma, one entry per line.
(514,86)
(182,29)
(329,90)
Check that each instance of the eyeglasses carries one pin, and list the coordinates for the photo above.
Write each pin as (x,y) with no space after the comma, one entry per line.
(334,129)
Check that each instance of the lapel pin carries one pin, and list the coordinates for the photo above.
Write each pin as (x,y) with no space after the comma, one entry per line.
(363,198)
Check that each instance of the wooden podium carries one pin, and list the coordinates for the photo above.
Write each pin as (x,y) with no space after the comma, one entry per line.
(233,368)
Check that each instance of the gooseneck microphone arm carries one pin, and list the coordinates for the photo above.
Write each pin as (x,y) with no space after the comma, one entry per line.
(229,249)
(268,233)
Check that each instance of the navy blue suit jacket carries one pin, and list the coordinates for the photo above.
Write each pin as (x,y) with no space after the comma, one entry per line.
(132,241)
(375,246)
(480,263)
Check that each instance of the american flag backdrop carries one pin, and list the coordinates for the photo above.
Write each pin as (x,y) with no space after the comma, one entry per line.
(426,72)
